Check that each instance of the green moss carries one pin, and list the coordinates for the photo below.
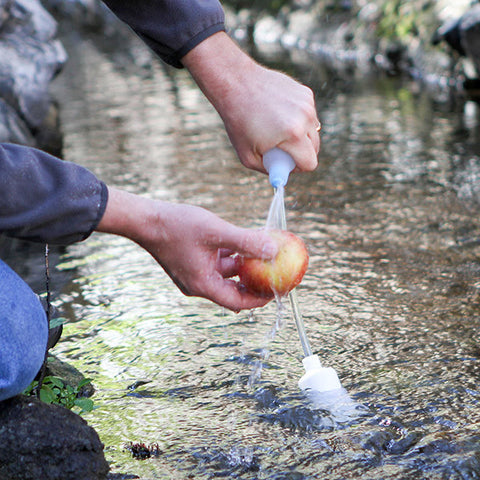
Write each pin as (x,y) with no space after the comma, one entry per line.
(55,390)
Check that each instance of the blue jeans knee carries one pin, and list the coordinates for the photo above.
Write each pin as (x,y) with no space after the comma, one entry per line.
(23,333)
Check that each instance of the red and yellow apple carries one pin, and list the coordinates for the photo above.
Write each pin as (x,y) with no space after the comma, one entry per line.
(280,275)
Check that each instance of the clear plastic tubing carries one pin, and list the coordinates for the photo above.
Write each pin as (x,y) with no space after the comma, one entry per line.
(299,322)
(277,219)
(279,164)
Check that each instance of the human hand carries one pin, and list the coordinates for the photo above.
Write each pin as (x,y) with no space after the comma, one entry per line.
(261,108)
(195,247)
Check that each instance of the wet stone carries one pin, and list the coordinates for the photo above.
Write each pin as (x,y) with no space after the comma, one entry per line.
(267,398)
(377,442)
(289,476)
(231,463)
(439,446)
(403,445)
(69,375)
(48,442)
(300,419)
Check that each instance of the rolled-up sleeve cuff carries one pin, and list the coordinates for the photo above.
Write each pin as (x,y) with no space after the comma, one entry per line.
(193,42)
(102,205)
(171,28)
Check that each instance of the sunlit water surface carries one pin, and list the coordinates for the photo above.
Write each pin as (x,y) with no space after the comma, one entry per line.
(390,300)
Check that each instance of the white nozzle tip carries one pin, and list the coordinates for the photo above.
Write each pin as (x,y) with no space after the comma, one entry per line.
(318,378)
(278,164)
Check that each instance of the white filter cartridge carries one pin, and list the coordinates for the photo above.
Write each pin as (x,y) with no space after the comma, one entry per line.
(318,378)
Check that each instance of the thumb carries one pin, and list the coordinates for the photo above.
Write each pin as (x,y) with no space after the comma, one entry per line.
(251,243)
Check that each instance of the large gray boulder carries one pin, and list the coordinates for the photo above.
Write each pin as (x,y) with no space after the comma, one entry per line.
(87,13)
(39,441)
(30,58)
(470,35)
(463,35)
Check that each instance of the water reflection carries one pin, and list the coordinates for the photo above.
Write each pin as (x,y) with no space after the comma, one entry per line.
(390,299)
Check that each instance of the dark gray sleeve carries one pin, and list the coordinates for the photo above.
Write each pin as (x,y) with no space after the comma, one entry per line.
(45,199)
(171,27)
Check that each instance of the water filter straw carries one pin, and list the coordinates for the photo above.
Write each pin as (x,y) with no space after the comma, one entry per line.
(278,164)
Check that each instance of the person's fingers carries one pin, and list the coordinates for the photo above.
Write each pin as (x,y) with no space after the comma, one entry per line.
(248,242)
(315,136)
(302,143)
(227,266)
(304,152)
(234,296)
(225,252)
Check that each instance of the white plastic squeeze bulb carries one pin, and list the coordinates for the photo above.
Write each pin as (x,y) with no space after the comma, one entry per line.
(278,164)
(318,378)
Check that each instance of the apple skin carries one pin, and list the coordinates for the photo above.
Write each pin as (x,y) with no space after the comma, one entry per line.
(280,275)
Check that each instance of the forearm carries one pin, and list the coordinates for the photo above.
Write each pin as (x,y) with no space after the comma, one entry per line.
(221,69)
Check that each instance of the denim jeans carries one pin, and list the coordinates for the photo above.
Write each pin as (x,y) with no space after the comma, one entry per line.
(23,333)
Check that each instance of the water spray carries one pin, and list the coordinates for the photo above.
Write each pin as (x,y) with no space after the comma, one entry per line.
(317,378)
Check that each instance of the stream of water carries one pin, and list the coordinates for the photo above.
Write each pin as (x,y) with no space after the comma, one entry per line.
(390,299)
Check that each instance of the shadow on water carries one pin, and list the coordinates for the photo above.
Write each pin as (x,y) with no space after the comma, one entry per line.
(390,300)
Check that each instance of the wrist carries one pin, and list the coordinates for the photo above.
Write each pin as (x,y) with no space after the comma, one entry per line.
(220,68)
(128,215)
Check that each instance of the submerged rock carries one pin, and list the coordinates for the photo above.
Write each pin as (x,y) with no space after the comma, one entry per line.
(47,442)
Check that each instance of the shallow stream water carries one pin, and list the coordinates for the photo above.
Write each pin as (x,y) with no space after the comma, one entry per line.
(390,299)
